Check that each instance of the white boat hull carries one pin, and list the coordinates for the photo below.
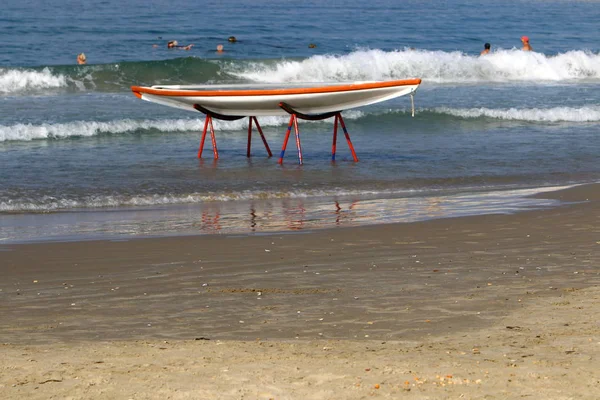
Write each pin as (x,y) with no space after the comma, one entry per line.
(231,101)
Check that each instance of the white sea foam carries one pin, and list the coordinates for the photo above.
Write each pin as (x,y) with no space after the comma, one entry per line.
(432,66)
(50,203)
(90,128)
(269,216)
(365,64)
(14,81)
(556,114)
(28,132)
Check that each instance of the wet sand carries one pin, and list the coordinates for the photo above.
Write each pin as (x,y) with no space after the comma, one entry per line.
(502,306)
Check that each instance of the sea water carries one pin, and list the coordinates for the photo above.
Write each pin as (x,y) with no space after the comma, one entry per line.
(81,157)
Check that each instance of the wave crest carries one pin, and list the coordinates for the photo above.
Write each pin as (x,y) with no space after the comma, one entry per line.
(431,66)
(91,128)
(14,81)
(555,114)
(364,64)
(27,132)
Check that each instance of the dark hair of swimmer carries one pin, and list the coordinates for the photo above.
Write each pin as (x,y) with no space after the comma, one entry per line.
(232,39)
(487,46)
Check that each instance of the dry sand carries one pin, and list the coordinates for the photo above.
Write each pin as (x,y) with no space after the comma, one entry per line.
(494,307)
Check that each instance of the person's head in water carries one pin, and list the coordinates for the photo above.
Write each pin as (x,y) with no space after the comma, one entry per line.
(526,45)
(219,48)
(172,43)
(232,39)
(486,48)
(81,58)
(312,45)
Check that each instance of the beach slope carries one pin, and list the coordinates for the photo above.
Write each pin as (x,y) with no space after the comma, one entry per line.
(496,306)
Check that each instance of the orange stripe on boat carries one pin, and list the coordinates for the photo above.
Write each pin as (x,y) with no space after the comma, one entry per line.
(138,90)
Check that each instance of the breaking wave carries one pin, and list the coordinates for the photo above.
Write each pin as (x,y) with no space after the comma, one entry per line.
(18,80)
(27,132)
(555,114)
(431,66)
(437,67)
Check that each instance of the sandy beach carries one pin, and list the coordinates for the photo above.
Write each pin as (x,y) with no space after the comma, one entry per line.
(494,307)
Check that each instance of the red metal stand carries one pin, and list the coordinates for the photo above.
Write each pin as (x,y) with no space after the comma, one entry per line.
(294,115)
(261,135)
(338,117)
(287,136)
(207,122)
(209,117)
(333,146)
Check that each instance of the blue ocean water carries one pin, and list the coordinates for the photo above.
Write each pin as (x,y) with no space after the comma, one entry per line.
(80,156)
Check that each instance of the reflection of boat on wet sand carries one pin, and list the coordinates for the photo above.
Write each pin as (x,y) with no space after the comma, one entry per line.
(310,102)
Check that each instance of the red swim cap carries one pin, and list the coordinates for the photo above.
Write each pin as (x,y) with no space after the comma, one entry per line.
(525,38)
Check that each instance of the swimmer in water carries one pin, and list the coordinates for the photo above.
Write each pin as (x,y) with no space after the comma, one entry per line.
(526,45)
(173,44)
(486,48)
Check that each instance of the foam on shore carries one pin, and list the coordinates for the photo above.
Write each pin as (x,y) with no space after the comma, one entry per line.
(260,215)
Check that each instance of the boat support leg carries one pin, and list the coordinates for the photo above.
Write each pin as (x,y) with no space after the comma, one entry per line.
(341,120)
(293,122)
(298,145)
(249,136)
(203,138)
(285,140)
(294,115)
(213,140)
(208,122)
(333,146)
(338,118)
(261,135)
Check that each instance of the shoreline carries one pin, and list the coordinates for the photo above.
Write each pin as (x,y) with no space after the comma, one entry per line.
(262,216)
(504,304)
